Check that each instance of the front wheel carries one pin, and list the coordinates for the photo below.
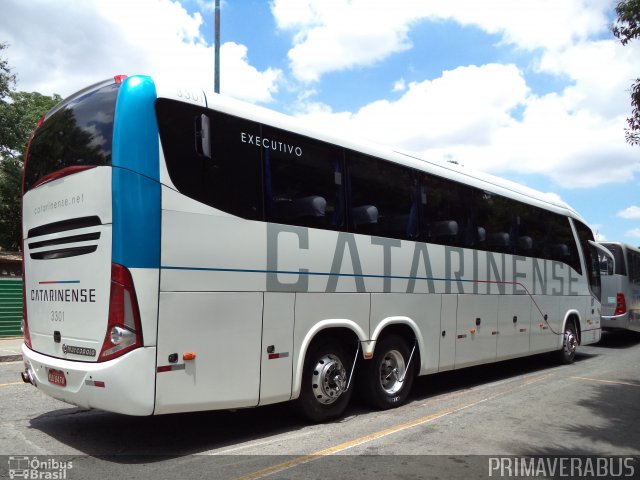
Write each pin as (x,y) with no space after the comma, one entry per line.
(325,376)
(569,344)
(387,378)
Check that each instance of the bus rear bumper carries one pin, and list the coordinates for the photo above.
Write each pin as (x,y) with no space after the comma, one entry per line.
(615,322)
(122,385)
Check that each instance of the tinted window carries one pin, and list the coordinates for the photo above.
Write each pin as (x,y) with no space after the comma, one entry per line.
(633,261)
(230,178)
(560,244)
(591,259)
(303,180)
(451,213)
(384,198)
(618,255)
(77,134)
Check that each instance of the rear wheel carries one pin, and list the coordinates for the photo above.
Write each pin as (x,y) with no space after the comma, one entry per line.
(569,344)
(387,378)
(325,376)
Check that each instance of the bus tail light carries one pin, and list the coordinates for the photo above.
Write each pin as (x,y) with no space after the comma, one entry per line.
(124,330)
(621,304)
(25,323)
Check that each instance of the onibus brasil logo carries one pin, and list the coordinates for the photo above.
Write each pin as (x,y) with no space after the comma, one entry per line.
(38,469)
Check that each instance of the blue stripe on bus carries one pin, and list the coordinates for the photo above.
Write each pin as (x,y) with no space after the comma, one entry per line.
(135,176)
(322,274)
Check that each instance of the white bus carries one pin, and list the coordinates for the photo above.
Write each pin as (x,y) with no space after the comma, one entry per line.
(620,273)
(183,252)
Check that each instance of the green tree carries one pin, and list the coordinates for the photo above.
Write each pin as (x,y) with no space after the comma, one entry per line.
(7,79)
(19,114)
(625,29)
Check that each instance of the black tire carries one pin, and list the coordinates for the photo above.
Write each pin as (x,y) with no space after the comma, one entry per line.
(385,381)
(567,354)
(325,375)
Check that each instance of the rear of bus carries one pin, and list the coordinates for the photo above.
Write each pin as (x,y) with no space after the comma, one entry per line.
(91,242)
(620,287)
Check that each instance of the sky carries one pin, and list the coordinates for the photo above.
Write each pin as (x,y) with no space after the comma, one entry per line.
(536,91)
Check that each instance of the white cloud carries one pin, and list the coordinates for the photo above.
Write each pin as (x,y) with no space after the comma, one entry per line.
(335,35)
(630,213)
(531,24)
(399,85)
(466,115)
(331,35)
(635,233)
(67,45)
(486,116)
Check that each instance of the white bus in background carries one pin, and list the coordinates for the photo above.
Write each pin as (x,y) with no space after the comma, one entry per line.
(620,272)
(184,251)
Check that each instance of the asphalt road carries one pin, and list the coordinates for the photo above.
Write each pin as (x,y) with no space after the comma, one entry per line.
(456,425)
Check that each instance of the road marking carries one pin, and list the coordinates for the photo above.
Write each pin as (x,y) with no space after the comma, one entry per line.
(280,467)
(531,380)
(12,383)
(359,441)
(228,451)
(614,382)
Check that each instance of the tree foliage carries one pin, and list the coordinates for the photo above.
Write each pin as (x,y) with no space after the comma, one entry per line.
(7,79)
(627,28)
(19,114)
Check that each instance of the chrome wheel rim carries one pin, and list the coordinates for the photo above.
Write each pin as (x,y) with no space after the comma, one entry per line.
(392,372)
(329,379)
(570,342)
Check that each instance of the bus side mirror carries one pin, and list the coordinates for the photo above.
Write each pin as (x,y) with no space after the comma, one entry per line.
(203,137)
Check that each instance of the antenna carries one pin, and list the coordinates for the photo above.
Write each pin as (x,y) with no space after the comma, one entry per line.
(216,81)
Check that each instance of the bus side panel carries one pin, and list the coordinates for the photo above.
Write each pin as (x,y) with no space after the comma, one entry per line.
(223,333)
(277,348)
(590,323)
(476,329)
(146,281)
(420,312)
(514,326)
(448,315)
(543,338)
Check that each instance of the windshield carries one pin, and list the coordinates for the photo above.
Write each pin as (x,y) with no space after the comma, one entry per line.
(78,133)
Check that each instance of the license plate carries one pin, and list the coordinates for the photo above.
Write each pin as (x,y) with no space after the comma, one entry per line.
(57,377)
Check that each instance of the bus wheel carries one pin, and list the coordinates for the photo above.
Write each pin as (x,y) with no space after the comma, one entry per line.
(569,344)
(325,376)
(387,378)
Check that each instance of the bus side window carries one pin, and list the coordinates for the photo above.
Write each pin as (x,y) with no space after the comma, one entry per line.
(383,198)
(303,180)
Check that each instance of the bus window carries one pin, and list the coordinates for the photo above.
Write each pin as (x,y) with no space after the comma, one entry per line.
(303,181)
(231,180)
(384,198)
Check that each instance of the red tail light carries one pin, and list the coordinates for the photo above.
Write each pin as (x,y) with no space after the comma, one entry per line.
(621,304)
(25,323)
(62,173)
(124,331)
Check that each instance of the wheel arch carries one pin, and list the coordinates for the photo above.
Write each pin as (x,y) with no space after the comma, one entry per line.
(574,317)
(344,331)
(407,329)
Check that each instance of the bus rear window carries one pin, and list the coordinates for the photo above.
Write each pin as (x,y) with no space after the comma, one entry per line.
(78,134)
(618,255)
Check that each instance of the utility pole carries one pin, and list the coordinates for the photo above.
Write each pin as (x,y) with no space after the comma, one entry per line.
(216,81)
